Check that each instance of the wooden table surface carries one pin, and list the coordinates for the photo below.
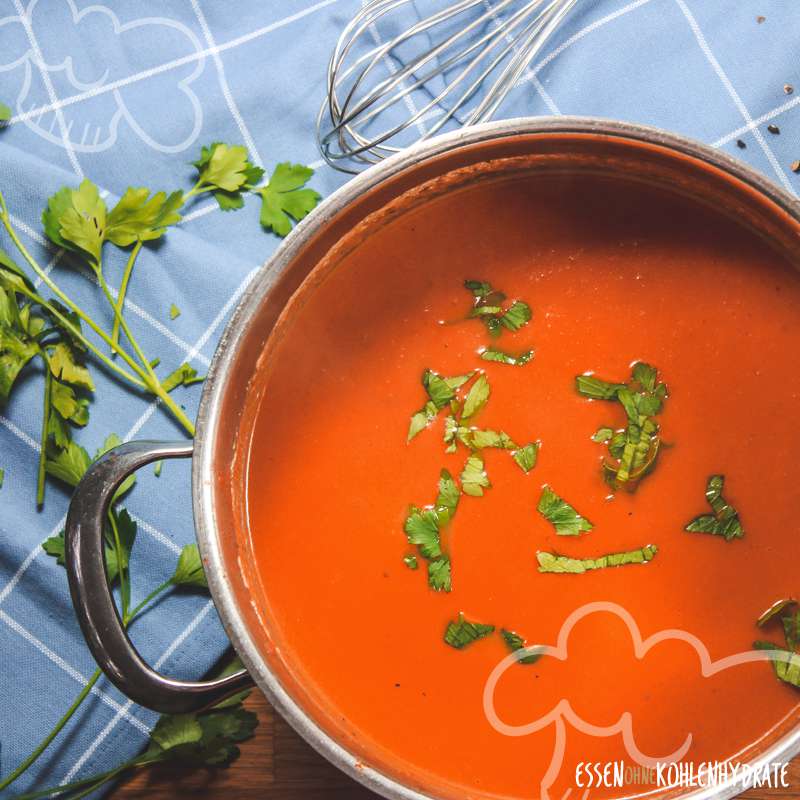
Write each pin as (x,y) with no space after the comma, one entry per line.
(278,765)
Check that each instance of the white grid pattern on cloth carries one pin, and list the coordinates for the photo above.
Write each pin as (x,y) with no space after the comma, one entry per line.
(123,711)
(737,100)
(48,84)
(169,65)
(120,708)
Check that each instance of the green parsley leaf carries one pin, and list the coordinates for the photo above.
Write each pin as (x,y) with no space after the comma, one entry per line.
(228,169)
(126,529)
(421,419)
(597,389)
(518,314)
(410,561)
(791,630)
(555,563)
(184,375)
(173,731)
(636,448)
(2,477)
(448,497)
(439,574)
(479,439)
(565,519)
(174,311)
(477,398)
(283,197)
(526,456)
(603,435)
(68,464)
(785,663)
(775,609)
(725,519)
(159,465)
(5,113)
(439,389)
(493,354)
(189,571)
(140,217)
(461,632)
(422,529)
(64,400)
(82,221)
(515,642)
(473,477)
(487,307)
(65,367)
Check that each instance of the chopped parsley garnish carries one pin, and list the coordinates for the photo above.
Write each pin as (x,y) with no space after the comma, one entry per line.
(476,399)
(526,456)
(423,527)
(774,610)
(488,308)
(785,660)
(552,562)
(411,561)
(439,574)
(633,449)
(462,632)
(174,312)
(441,392)
(473,477)
(501,357)
(725,519)
(566,520)
(515,642)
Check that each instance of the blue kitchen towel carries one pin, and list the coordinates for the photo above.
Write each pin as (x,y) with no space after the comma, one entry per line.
(126,95)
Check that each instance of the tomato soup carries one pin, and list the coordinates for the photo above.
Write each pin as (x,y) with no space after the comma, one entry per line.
(615,273)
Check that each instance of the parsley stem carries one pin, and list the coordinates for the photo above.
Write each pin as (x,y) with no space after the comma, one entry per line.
(124,584)
(48,386)
(123,290)
(84,693)
(47,280)
(45,743)
(151,379)
(93,781)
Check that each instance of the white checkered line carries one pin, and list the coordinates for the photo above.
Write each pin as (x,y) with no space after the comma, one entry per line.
(170,65)
(101,737)
(199,345)
(223,82)
(776,112)
(29,559)
(121,710)
(20,434)
(48,85)
(156,534)
(722,75)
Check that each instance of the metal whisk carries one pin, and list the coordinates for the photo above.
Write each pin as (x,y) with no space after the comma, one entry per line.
(397,76)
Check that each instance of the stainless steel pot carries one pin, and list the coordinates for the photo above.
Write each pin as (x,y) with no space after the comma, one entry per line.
(637,152)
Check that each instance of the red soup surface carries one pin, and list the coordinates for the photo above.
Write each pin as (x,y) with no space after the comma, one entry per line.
(614,273)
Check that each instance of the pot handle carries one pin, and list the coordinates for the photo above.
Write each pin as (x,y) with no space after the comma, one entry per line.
(94,605)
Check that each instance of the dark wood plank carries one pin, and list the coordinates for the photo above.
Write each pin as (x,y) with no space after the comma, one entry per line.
(278,765)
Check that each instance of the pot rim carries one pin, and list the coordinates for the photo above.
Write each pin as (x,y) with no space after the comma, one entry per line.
(228,349)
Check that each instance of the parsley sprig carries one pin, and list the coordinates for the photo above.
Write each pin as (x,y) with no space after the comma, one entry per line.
(724,519)
(488,308)
(51,327)
(785,659)
(633,449)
